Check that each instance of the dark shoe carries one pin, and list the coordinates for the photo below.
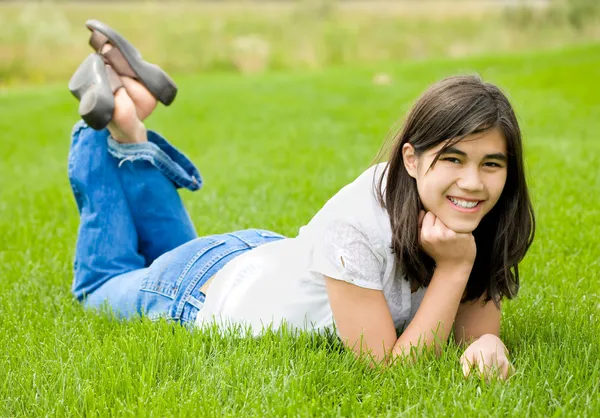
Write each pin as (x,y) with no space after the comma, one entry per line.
(94,84)
(127,61)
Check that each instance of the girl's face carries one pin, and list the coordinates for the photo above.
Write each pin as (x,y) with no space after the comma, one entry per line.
(466,181)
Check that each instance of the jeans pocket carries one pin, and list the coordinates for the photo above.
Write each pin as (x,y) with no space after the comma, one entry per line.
(255,237)
(268,234)
(167,273)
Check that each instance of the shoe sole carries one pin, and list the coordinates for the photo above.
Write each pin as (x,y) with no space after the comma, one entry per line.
(91,86)
(154,78)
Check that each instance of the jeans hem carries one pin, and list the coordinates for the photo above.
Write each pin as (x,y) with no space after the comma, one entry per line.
(162,155)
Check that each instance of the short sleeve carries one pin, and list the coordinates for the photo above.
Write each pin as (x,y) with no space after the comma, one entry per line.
(344,253)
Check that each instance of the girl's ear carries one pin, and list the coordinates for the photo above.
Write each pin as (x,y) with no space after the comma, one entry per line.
(410,160)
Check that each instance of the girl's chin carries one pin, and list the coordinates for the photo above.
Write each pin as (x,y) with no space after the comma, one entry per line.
(463,230)
(461,227)
(457,221)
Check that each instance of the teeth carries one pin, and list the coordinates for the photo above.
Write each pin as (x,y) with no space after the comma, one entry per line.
(463,203)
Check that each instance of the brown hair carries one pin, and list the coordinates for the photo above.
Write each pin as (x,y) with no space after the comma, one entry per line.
(447,112)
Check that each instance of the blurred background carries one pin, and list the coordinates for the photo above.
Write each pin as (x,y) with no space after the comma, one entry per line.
(45,41)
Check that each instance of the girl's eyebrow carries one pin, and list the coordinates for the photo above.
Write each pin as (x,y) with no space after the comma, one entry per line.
(497,156)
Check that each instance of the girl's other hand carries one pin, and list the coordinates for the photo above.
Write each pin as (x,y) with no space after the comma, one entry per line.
(445,246)
(489,356)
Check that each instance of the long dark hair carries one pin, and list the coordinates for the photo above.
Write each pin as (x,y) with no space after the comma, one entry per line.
(447,112)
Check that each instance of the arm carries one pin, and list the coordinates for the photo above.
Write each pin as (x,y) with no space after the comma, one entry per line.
(475,319)
(362,318)
(432,323)
(365,324)
(478,325)
(454,254)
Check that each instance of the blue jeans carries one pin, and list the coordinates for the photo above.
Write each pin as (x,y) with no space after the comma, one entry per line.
(137,250)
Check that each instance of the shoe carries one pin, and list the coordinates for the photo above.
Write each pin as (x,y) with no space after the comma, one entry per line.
(94,84)
(127,61)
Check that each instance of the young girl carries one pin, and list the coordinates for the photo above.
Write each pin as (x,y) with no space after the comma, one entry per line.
(416,247)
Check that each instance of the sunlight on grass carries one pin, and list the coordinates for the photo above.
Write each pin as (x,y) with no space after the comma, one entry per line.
(272,149)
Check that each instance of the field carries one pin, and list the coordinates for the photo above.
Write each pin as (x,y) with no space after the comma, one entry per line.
(272,149)
(44,41)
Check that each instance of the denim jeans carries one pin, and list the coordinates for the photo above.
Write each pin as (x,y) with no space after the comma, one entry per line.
(137,250)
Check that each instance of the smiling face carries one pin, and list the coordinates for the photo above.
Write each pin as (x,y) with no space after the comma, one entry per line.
(466,181)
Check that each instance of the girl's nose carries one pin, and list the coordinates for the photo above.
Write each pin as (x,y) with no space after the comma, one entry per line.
(470,180)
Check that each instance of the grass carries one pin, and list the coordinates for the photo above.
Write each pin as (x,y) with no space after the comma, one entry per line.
(272,148)
(200,37)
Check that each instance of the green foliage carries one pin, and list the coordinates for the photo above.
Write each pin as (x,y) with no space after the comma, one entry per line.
(574,14)
(46,41)
(272,149)
(582,12)
(315,9)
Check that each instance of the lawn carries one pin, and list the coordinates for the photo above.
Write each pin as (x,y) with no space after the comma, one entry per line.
(272,149)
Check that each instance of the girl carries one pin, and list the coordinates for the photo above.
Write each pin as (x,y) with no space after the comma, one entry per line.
(416,247)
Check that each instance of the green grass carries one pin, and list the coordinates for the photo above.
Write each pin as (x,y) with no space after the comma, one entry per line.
(272,149)
(196,37)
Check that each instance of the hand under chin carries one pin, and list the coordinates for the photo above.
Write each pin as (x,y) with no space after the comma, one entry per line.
(460,227)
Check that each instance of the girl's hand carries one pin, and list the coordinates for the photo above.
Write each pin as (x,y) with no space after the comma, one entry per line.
(489,356)
(444,245)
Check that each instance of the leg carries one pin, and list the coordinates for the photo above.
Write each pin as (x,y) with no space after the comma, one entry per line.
(150,171)
(149,174)
(171,287)
(107,242)
(136,204)
(110,250)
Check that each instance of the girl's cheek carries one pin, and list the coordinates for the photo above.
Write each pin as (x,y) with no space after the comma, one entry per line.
(446,171)
(499,185)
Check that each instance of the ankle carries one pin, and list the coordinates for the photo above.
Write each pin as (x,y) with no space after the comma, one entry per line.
(136,135)
(141,134)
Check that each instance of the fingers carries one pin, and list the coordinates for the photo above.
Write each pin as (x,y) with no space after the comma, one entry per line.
(429,230)
(466,364)
(433,221)
(426,226)
(488,356)
(488,366)
(468,361)
(428,220)
(483,360)
(431,226)
(504,370)
(486,363)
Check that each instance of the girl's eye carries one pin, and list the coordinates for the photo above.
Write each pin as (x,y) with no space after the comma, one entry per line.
(492,164)
(452,160)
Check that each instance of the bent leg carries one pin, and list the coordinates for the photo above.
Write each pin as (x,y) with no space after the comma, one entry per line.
(107,242)
(171,288)
(119,293)
(150,174)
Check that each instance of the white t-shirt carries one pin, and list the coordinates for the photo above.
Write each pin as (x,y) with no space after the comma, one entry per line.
(283,281)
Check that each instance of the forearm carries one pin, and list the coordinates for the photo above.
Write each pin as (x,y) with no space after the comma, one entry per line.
(433,321)
(475,319)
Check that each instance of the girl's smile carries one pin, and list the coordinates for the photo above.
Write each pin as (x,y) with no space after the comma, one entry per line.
(465,182)
(464,205)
